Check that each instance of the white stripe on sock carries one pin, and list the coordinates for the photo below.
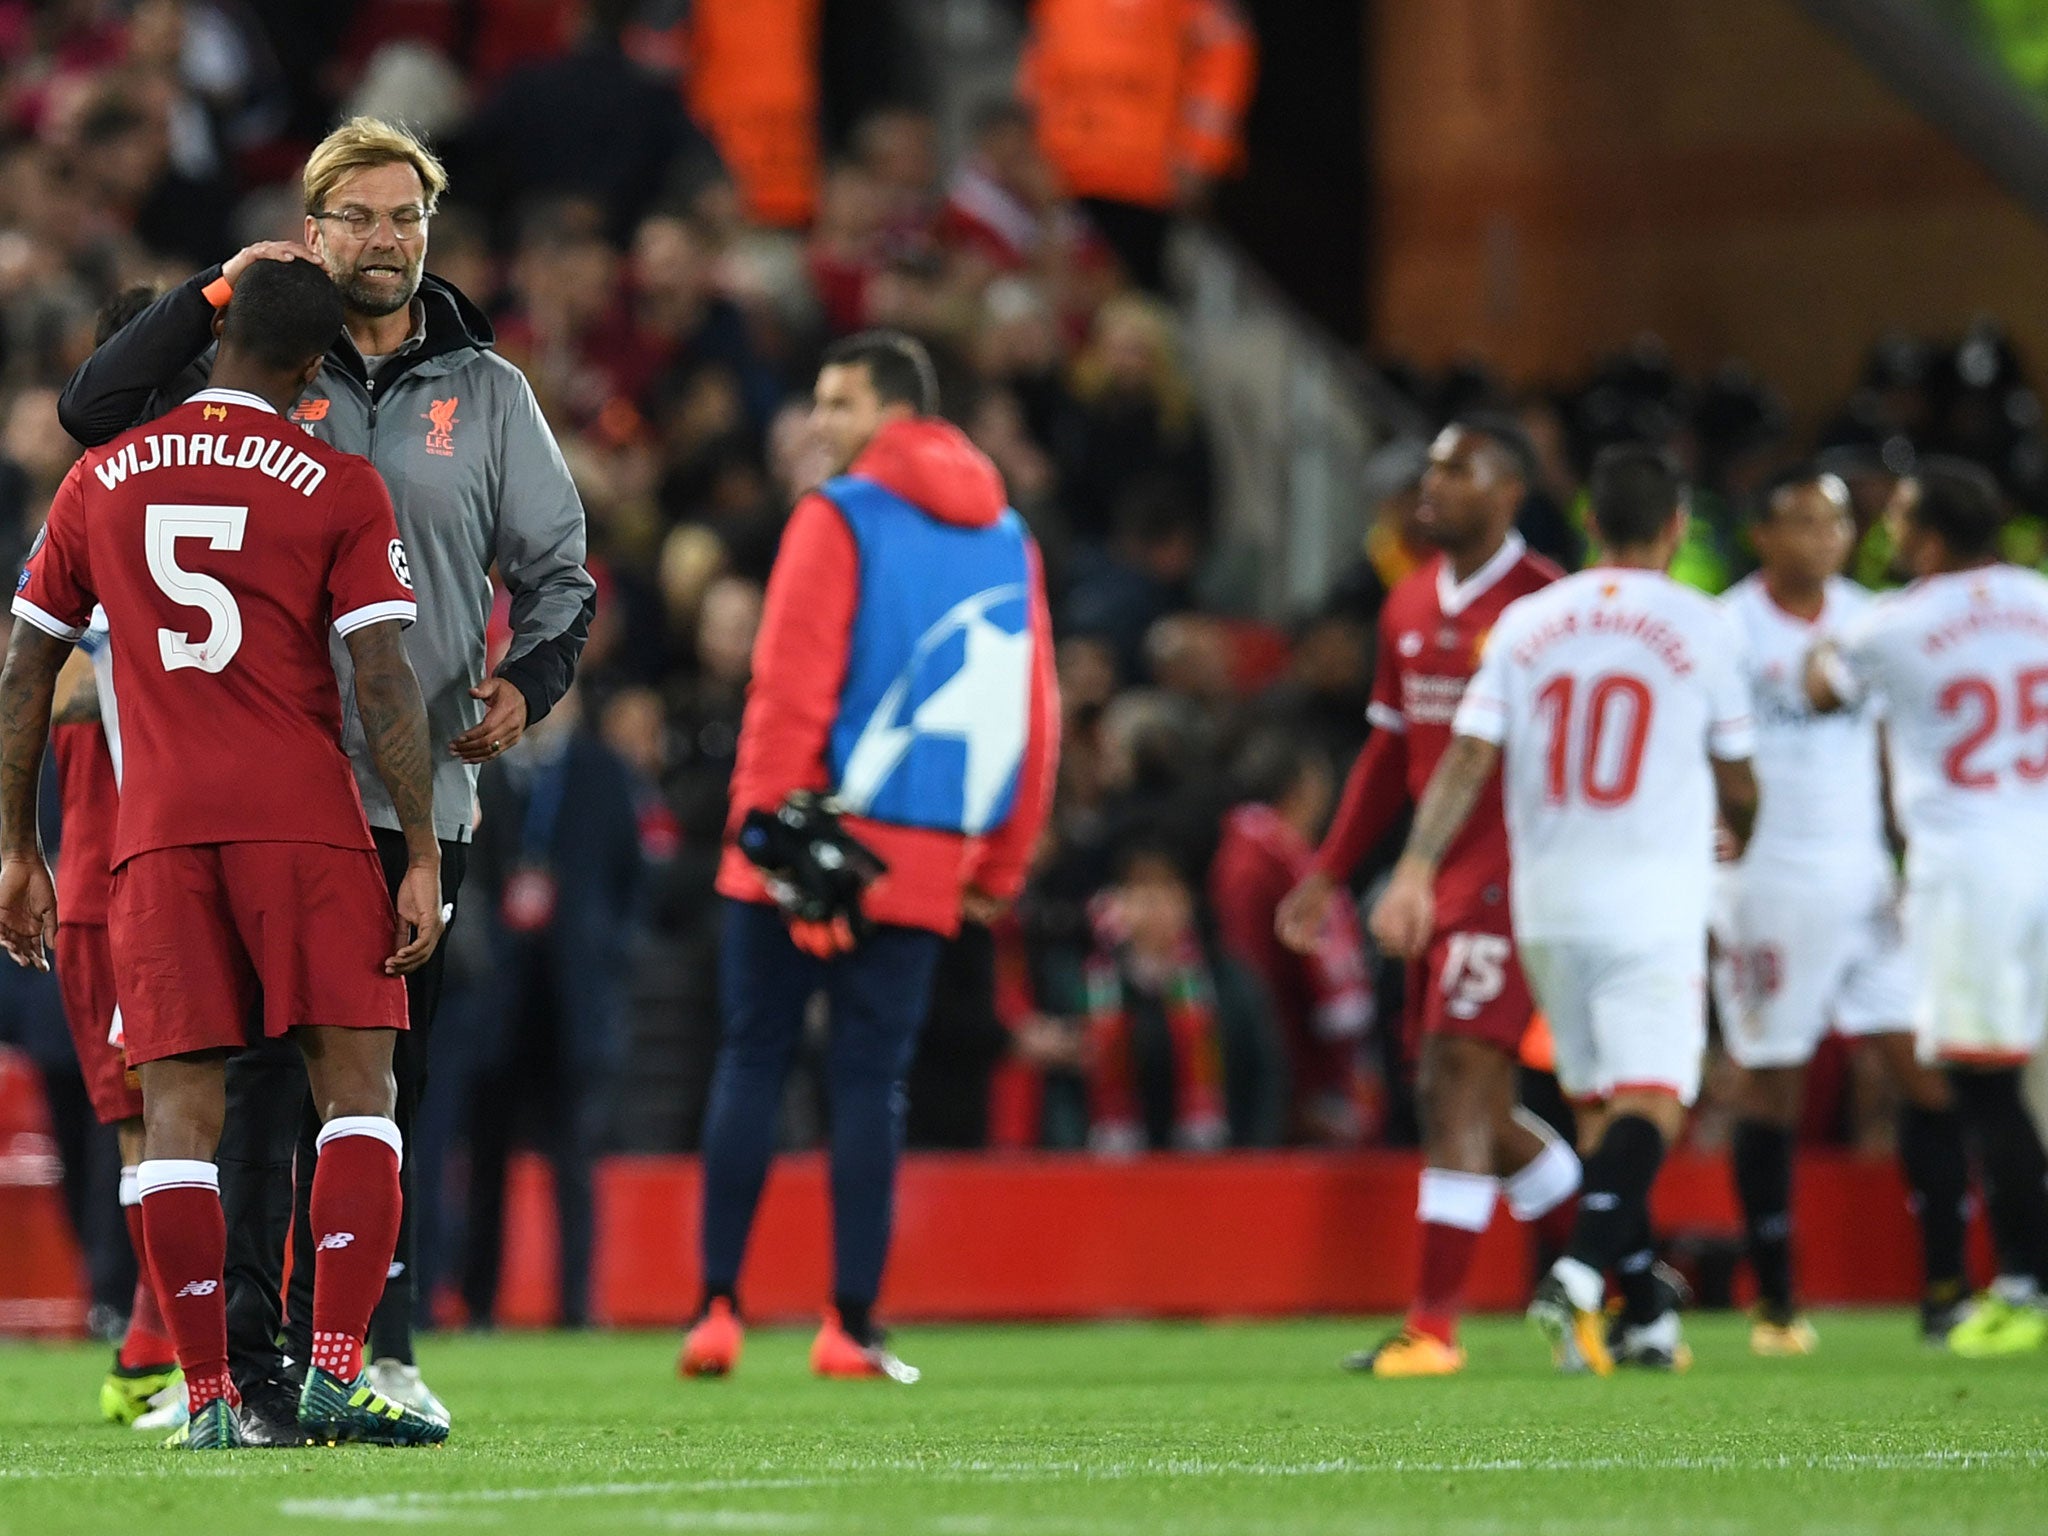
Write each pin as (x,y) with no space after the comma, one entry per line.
(131,1193)
(377,1126)
(155,1173)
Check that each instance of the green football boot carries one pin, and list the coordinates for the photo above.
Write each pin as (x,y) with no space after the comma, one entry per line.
(216,1427)
(1996,1326)
(126,1392)
(354,1412)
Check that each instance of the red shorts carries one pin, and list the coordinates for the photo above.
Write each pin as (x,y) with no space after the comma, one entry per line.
(85,977)
(198,931)
(1470,984)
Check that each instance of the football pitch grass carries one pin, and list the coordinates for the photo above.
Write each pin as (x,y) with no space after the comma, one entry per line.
(1184,1429)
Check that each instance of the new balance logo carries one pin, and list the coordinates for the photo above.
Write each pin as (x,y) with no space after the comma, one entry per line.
(198,1288)
(337,1240)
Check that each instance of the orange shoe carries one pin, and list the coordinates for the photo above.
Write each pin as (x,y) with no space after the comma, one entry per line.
(712,1348)
(838,1354)
(1410,1352)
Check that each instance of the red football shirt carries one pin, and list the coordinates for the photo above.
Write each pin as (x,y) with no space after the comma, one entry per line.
(90,798)
(1432,629)
(224,543)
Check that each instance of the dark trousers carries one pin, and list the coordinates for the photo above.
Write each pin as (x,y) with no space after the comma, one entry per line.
(878,997)
(266,1162)
(1137,235)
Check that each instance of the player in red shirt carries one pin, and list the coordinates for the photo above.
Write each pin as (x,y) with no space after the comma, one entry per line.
(1468,1004)
(224,543)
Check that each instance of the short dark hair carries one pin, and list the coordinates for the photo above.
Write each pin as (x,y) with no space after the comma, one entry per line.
(283,314)
(1506,436)
(1960,502)
(898,366)
(1635,491)
(1764,505)
(119,310)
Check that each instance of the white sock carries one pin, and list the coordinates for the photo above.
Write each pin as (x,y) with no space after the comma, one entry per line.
(1548,1179)
(1448,1198)
(131,1185)
(1586,1286)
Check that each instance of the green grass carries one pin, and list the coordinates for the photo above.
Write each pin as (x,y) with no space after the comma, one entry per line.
(1182,1429)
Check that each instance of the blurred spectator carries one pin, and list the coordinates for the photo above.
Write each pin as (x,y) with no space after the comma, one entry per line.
(1134,422)
(1321,1003)
(556,874)
(1180,1052)
(593,124)
(1139,110)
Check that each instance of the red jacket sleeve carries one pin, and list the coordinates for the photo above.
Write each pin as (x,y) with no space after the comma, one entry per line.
(799,660)
(1006,853)
(1375,794)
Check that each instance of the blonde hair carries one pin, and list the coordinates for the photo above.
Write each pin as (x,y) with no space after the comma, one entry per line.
(1152,320)
(364,142)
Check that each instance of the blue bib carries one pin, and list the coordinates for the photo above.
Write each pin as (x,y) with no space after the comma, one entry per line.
(935,711)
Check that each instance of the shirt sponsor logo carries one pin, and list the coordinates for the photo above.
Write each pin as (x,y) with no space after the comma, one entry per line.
(442,420)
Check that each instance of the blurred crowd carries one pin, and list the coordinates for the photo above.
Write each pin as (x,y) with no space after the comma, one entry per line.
(667,280)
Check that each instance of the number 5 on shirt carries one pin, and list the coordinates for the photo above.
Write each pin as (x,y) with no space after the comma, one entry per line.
(222,528)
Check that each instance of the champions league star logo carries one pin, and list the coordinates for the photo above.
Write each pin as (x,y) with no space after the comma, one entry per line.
(969,679)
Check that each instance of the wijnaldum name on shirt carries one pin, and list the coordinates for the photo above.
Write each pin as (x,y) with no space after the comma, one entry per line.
(182,450)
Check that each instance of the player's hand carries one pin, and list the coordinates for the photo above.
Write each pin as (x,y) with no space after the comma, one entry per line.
(822,941)
(978,906)
(266,250)
(1299,922)
(504,722)
(1406,914)
(28,911)
(419,918)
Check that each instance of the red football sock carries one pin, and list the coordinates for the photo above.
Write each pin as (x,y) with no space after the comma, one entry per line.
(356,1203)
(148,1340)
(1454,1208)
(186,1237)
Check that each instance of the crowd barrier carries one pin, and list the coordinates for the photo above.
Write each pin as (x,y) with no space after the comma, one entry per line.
(1039,1236)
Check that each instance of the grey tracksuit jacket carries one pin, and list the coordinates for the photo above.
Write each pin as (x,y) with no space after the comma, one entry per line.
(475,476)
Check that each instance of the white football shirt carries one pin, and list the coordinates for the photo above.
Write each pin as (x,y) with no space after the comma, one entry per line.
(1960,664)
(1823,795)
(1606,693)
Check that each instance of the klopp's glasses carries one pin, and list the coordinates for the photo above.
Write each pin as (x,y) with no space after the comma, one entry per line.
(406,222)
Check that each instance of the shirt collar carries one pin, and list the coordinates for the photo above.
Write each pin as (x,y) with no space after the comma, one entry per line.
(232,397)
(1454,596)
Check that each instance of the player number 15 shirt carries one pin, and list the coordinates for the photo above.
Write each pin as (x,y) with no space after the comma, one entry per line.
(223,542)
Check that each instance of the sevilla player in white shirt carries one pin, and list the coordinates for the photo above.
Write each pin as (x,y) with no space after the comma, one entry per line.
(1959,661)
(1807,928)
(1615,707)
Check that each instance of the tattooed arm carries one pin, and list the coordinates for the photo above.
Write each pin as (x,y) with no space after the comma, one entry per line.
(1406,914)
(28,898)
(395,720)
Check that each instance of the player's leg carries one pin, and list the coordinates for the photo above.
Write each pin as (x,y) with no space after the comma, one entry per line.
(1788,948)
(880,995)
(185,1230)
(1637,1024)
(764,984)
(1936,1164)
(1760,1149)
(1977,937)
(145,1367)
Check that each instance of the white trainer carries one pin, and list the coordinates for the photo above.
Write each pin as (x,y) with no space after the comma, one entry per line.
(168,1411)
(401,1383)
